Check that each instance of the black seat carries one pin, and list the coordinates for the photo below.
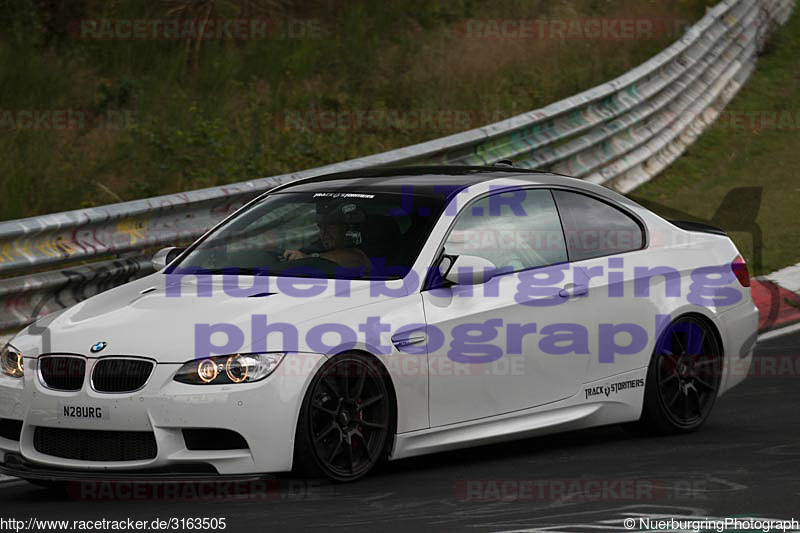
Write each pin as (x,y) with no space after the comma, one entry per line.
(384,239)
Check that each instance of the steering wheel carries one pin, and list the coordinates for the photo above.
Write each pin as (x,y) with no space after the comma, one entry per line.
(274,255)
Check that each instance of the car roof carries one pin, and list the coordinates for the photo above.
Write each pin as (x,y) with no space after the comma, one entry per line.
(431,181)
(441,181)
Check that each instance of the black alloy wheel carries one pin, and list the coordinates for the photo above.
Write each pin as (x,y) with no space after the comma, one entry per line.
(684,377)
(346,420)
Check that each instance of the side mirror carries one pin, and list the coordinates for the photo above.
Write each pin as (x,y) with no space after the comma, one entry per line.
(165,256)
(470,270)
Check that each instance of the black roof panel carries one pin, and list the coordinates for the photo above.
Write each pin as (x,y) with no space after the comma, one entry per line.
(433,181)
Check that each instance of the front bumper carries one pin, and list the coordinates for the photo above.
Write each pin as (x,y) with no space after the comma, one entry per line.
(16,466)
(263,413)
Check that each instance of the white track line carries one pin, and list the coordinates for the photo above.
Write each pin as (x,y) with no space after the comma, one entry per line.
(788,278)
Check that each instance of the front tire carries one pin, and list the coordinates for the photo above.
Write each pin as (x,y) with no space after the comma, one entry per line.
(346,420)
(683,378)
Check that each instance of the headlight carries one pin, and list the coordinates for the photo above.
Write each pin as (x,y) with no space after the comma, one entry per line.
(222,369)
(11,362)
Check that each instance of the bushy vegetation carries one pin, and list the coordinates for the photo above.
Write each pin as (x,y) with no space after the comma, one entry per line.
(203,113)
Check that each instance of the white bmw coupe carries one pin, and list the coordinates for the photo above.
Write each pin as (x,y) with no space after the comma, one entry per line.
(342,320)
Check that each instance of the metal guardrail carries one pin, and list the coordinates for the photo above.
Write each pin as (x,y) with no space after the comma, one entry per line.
(619,134)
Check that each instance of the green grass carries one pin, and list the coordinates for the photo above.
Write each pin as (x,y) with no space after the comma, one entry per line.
(217,124)
(725,157)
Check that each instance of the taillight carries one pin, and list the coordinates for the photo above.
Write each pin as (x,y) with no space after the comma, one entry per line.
(739,267)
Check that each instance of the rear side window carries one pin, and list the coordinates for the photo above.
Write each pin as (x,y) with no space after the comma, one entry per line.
(515,230)
(594,228)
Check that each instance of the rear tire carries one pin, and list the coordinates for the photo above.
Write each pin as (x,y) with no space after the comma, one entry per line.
(683,378)
(346,421)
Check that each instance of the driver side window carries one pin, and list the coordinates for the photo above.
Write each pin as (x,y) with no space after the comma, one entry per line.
(515,229)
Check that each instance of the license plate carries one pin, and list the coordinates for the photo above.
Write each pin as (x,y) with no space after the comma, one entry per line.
(83,412)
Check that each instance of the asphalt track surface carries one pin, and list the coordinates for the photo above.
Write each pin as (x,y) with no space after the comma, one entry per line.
(744,462)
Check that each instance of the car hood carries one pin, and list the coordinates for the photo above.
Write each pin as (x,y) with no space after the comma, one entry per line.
(157,316)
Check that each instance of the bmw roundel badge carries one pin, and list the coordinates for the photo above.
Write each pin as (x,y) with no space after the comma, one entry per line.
(98,346)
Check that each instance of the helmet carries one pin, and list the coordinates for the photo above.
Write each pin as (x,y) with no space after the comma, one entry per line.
(347,214)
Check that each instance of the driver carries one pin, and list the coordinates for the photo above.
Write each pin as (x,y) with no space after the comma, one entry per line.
(340,236)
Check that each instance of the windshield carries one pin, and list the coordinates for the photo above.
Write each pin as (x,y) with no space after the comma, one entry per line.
(320,235)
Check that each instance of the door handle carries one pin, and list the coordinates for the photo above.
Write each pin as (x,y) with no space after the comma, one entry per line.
(577,290)
(406,340)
